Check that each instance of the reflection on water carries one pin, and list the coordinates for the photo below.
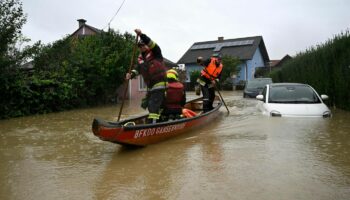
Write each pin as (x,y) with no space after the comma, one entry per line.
(240,156)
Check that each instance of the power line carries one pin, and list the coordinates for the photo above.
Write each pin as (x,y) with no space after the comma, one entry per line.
(109,23)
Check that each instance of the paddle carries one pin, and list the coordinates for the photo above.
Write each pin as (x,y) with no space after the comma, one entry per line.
(222,99)
(127,80)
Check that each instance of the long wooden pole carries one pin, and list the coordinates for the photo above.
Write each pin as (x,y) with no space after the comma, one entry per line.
(222,99)
(127,80)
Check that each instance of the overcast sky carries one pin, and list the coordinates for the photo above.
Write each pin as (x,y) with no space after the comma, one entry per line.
(287,26)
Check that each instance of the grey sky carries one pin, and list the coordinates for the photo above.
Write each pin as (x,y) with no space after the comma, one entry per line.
(287,26)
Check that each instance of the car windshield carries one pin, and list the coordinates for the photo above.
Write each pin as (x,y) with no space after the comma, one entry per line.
(258,83)
(292,94)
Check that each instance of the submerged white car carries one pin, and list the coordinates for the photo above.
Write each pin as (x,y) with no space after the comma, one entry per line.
(292,100)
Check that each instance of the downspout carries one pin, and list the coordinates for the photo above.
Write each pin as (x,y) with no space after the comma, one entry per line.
(246,71)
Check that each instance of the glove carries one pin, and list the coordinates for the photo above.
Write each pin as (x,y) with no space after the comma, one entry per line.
(144,103)
(201,82)
(138,31)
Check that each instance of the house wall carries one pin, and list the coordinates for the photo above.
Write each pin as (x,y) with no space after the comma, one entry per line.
(257,61)
(242,73)
(248,67)
(134,92)
(190,68)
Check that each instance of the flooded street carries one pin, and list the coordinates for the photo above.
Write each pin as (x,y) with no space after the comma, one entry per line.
(244,155)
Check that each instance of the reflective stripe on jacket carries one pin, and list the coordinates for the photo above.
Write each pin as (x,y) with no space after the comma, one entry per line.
(159,85)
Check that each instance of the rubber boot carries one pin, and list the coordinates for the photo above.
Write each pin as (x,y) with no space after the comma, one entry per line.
(206,106)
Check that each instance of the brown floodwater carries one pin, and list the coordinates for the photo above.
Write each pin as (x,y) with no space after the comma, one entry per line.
(243,155)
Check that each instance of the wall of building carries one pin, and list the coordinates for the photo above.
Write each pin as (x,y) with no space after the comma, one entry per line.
(257,61)
(242,73)
(248,67)
(190,68)
(135,91)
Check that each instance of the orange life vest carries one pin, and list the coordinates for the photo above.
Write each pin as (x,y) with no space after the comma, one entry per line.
(212,71)
(188,113)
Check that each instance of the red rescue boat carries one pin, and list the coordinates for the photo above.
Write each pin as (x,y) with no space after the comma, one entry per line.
(135,132)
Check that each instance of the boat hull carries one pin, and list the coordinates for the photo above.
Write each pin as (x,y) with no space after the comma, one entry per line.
(145,134)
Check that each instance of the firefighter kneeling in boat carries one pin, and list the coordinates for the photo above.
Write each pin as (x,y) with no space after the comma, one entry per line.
(175,97)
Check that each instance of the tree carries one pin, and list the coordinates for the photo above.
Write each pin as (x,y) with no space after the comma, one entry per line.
(12,19)
(231,67)
(69,73)
(194,75)
(83,71)
(11,80)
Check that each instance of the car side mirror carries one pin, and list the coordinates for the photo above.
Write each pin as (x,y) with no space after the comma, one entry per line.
(324,97)
(260,97)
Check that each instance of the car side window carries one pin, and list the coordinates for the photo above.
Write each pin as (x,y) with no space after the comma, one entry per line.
(264,93)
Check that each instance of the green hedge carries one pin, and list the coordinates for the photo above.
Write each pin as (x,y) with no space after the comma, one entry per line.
(70,73)
(325,67)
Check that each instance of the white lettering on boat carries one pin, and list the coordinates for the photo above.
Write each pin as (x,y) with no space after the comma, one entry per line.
(160,130)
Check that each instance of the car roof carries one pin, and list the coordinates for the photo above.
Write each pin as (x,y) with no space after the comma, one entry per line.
(261,79)
(288,84)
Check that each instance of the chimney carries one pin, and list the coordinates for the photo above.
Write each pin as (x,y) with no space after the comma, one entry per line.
(221,39)
(81,22)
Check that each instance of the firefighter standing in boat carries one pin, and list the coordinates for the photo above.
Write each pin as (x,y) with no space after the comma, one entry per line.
(151,67)
(210,75)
